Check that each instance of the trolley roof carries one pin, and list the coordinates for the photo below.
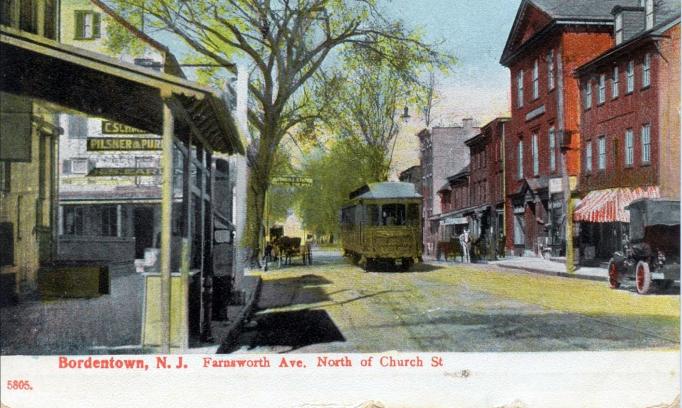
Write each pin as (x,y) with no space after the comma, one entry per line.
(378,191)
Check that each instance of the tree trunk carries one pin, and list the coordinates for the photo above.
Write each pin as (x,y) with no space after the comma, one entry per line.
(255,213)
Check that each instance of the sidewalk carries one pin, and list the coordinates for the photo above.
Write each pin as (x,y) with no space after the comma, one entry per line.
(554,268)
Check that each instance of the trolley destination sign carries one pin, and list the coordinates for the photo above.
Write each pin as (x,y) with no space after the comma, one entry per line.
(105,144)
(123,171)
(292,181)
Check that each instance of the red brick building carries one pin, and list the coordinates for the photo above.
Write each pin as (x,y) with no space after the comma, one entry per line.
(474,197)
(630,129)
(548,41)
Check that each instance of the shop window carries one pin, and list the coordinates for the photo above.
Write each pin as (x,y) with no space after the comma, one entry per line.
(73,220)
(87,25)
(109,221)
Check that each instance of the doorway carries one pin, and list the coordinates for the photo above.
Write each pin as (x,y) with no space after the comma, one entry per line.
(143,224)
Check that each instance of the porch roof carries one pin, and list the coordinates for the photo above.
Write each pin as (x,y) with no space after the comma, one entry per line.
(43,69)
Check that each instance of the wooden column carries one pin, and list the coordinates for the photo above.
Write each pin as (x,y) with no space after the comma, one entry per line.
(166,219)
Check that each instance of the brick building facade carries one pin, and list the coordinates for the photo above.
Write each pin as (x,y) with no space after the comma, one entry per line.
(548,41)
(630,123)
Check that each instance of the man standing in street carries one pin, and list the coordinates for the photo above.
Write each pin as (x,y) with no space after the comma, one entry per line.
(465,242)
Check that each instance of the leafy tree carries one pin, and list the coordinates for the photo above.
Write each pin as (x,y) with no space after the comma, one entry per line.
(286,43)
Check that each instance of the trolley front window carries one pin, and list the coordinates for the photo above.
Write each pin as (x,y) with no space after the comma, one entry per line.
(373,218)
(393,214)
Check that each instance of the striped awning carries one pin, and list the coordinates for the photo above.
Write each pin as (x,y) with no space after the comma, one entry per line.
(609,205)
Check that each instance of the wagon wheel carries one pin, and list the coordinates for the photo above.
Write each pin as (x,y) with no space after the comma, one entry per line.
(613,275)
(642,278)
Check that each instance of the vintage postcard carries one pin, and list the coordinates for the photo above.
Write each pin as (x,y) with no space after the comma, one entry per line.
(340,203)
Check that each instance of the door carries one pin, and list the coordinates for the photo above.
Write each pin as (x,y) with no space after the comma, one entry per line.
(143,224)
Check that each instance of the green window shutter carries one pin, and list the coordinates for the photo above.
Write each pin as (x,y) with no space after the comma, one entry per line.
(80,22)
(96,21)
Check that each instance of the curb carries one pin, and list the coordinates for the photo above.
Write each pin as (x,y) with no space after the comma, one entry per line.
(559,274)
(234,329)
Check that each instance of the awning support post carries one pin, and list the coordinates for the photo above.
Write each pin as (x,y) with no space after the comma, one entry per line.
(166,215)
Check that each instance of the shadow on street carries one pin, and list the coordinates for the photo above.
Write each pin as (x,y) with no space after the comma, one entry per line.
(291,329)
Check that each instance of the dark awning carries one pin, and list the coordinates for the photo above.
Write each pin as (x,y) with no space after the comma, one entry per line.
(97,85)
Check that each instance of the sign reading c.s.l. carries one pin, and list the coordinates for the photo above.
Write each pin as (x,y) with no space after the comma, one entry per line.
(99,144)
(115,128)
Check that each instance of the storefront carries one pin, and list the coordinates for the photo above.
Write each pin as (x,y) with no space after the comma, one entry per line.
(602,222)
(193,123)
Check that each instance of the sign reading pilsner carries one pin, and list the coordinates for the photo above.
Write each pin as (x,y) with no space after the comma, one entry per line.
(114,128)
(123,171)
(103,144)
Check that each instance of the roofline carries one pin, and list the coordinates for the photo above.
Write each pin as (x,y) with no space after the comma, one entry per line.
(171,64)
(625,46)
(506,59)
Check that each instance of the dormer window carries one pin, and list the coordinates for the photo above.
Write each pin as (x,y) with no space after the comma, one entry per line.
(649,11)
(619,28)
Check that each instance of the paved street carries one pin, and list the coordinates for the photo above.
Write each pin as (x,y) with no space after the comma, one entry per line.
(333,306)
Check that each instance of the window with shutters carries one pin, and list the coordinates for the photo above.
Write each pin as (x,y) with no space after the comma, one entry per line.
(646,144)
(87,25)
(73,220)
(77,127)
(646,71)
(601,145)
(601,96)
(629,147)
(534,154)
(109,221)
(552,149)
(550,69)
(536,80)
(615,83)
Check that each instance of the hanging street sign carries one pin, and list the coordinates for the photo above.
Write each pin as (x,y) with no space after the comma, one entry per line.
(115,128)
(292,181)
(105,144)
(123,171)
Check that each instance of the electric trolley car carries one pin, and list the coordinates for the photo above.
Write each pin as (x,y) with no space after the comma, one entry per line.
(382,223)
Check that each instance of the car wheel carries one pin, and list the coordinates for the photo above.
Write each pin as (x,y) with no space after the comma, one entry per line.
(642,278)
(613,275)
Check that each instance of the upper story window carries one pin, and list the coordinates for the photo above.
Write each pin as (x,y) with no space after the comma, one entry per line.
(534,154)
(536,80)
(519,162)
(77,126)
(27,15)
(649,11)
(552,149)
(519,89)
(550,69)
(87,25)
(79,166)
(601,149)
(646,144)
(601,96)
(588,156)
(629,147)
(619,28)
(646,71)
(615,83)
(630,73)
(588,94)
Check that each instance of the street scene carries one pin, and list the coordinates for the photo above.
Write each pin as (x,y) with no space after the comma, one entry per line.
(313,176)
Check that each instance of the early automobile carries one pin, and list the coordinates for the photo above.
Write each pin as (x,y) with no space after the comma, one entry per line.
(382,223)
(651,253)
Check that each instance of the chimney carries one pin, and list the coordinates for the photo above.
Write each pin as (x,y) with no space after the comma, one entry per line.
(467,123)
